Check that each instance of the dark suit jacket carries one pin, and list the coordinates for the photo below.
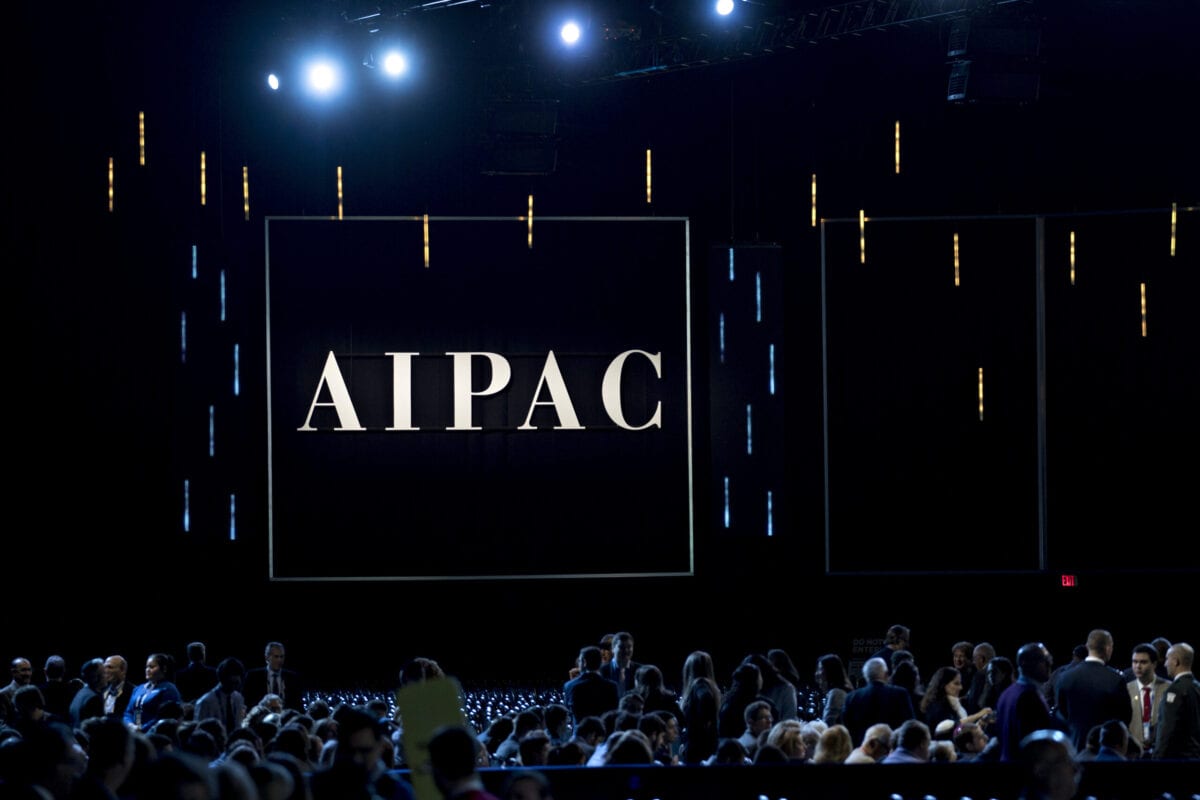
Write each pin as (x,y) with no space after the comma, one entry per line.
(194,680)
(1178,730)
(1089,695)
(122,700)
(254,688)
(1020,711)
(873,703)
(86,704)
(590,695)
(613,673)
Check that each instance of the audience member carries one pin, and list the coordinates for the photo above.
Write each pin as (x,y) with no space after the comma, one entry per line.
(1146,691)
(701,704)
(834,746)
(1022,708)
(1092,693)
(88,702)
(876,702)
(745,688)
(274,678)
(876,744)
(834,685)
(197,677)
(912,744)
(148,701)
(1178,729)
(941,708)
(621,669)
(590,694)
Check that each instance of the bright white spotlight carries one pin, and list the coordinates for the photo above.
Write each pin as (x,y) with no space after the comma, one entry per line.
(322,77)
(724,7)
(395,64)
(273,82)
(570,33)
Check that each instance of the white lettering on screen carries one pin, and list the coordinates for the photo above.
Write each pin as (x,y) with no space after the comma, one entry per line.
(550,382)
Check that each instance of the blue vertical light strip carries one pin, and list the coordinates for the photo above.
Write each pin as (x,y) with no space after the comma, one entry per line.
(194,273)
(770,515)
(222,295)
(749,431)
(771,368)
(721,337)
(182,337)
(187,505)
(731,265)
(212,436)
(726,501)
(237,384)
(233,517)
(758,297)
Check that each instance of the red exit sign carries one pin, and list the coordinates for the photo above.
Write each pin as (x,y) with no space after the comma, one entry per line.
(1068,580)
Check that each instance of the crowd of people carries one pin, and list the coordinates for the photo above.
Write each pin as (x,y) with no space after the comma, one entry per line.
(252,734)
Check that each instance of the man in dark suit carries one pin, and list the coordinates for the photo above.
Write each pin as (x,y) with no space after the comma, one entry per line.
(274,679)
(622,668)
(197,677)
(1093,692)
(1022,708)
(1177,734)
(116,690)
(88,702)
(876,702)
(591,694)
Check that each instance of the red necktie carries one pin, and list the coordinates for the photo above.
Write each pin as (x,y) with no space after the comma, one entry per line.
(1145,704)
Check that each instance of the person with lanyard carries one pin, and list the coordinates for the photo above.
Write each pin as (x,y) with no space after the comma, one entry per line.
(116,692)
(148,699)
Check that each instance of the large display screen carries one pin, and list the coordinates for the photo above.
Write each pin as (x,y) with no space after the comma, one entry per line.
(465,398)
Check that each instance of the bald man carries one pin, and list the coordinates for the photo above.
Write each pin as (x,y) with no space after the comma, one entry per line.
(22,675)
(1178,729)
(116,691)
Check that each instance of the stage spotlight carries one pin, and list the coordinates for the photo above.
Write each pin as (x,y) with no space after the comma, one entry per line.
(570,32)
(322,77)
(273,82)
(724,7)
(395,64)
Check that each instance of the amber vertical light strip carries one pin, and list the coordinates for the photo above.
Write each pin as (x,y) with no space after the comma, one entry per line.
(110,184)
(1174,218)
(981,394)
(425,233)
(246,192)
(529,220)
(339,190)
(203,180)
(897,147)
(813,218)
(1072,258)
(141,138)
(1143,309)
(956,283)
(862,236)
(647,174)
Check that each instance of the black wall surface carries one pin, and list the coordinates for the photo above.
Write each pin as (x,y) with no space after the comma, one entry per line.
(933,515)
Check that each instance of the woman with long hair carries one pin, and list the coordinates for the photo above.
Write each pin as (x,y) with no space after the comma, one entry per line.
(700,704)
(834,685)
(941,704)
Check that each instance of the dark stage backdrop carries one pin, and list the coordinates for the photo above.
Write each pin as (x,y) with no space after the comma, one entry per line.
(104,550)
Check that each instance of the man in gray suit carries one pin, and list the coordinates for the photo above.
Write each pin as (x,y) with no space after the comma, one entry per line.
(1145,694)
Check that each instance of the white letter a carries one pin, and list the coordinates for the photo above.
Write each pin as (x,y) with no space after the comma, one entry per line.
(331,376)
